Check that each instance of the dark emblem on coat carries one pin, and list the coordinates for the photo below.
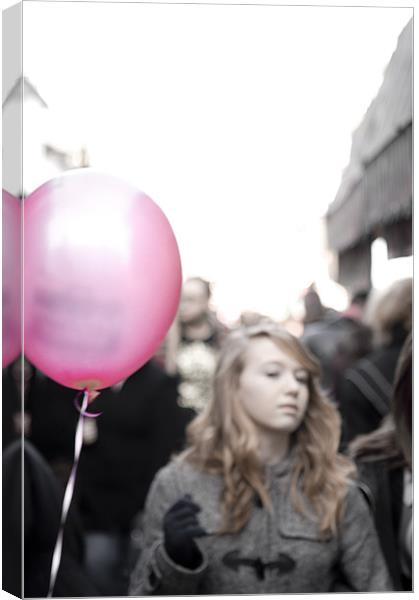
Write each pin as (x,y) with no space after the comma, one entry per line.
(284,563)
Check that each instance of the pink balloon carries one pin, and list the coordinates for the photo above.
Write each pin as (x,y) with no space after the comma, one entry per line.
(102,279)
(11,274)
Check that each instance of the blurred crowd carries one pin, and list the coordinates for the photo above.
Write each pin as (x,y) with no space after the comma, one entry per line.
(186,486)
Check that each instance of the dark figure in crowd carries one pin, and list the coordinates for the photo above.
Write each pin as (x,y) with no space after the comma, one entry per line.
(53,418)
(11,407)
(15,378)
(314,309)
(141,425)
(260,501)
(364,391)
(337,340)
(384,459)
(42,513)
(192,345)
(12,424)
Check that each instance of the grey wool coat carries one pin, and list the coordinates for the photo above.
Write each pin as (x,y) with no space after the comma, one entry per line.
(276,552)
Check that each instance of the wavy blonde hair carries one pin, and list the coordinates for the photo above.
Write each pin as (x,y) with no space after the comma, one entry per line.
(222,440)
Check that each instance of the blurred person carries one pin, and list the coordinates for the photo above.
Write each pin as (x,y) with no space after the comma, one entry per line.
(260,501)
(53,418)
(338,340)
(11,407)
(384,459)
(16,381)
(314,309)
(364,391)
(139,427)
(193,343)
(42,500)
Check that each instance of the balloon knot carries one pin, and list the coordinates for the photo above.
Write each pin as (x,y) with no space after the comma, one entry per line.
(88,397)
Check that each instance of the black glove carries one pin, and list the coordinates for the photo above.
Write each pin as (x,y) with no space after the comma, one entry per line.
(180,526)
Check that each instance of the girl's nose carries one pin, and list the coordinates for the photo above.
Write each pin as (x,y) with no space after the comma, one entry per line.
(291,384)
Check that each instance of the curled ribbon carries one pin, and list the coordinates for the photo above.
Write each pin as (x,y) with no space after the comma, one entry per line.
(81,410)
(68,494)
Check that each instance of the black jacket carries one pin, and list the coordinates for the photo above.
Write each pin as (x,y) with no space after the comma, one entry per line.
(141,425)
(383,484)
(364,392)
(337,341)
(11,407)
(42,512)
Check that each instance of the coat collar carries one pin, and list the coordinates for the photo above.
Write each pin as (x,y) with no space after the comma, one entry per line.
(283,467)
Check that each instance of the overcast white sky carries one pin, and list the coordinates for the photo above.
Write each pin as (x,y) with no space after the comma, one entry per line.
(236,120)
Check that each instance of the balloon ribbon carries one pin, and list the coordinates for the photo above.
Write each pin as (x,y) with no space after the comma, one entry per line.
(83,410)
(56,557)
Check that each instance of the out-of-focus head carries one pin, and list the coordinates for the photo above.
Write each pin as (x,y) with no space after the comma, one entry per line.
(195,298)
(402,400)
(264,376)
(390,312)
(314,309)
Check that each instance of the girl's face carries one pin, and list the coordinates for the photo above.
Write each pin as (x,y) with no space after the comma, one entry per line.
(273,387)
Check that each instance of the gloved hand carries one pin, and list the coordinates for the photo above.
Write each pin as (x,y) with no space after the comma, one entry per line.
(180,527)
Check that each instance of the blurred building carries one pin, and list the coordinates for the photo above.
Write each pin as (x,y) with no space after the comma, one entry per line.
(374,199)
(40,146)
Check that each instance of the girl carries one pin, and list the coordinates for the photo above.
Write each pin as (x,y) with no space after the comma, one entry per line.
(260,502)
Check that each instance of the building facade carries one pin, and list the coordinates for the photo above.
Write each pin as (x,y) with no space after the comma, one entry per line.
(374,199)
